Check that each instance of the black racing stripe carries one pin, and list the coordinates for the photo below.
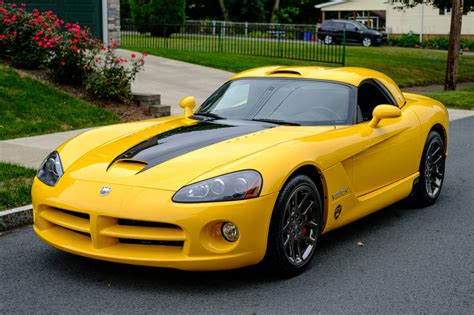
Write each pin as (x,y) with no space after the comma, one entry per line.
(182,140)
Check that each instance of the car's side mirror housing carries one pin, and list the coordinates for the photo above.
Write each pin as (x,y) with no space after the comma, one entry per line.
(383,112)
(188,103)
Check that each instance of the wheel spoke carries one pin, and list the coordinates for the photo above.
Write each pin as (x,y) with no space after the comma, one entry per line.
(311,224)
(308,240)
(308,208)
(305,197)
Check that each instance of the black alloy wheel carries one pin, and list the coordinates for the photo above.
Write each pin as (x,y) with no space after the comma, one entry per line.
(295,227)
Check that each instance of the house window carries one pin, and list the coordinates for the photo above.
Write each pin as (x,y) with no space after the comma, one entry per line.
(445,11)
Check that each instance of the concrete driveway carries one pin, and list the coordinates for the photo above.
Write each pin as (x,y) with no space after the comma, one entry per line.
(176,79)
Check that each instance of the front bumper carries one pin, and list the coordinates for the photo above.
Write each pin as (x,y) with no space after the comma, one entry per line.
(143,226)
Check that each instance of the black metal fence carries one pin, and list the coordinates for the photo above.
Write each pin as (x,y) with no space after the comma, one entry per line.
(302,42)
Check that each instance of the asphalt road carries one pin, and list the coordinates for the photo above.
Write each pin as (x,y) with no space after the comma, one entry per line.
(413,261)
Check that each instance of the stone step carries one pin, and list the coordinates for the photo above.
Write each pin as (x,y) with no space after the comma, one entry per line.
(160,110)
(147,97)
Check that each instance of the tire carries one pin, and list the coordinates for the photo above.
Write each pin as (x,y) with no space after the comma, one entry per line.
(328,40)
(294,231)
(432,169)
(366,41)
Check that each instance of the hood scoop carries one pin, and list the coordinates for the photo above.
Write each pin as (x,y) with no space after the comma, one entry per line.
(174,143)
(126,167)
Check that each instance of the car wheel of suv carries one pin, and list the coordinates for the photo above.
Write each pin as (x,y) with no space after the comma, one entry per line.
(328,40)
(367,41)
(295,227)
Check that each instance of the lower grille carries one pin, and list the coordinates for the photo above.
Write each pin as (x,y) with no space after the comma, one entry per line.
(113,230)
(146,242)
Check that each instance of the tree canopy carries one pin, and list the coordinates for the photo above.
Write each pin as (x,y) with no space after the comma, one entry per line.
(468,5)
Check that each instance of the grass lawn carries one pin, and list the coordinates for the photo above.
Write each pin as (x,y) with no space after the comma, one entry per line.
(462,99)
(407,66)
(29,107)
(15,185)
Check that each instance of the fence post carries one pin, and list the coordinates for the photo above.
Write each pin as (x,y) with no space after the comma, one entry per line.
(213,28)
(220,37)
(344,48)
(246,29)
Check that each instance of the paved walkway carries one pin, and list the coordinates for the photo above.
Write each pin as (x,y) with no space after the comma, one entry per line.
(176,79)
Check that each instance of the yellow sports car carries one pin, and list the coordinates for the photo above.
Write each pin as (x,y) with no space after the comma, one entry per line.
(274,158)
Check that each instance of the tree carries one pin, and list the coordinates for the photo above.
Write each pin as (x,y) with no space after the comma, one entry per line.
(225,13)
(150,15)
(276,7)
(458,8)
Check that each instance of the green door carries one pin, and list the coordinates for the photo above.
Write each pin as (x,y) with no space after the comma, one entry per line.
(83,12)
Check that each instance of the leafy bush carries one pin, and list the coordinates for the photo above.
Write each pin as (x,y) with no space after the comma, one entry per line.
(28,36)
(111,78)
(412,40)
(259,34)
(73,54)
(38,38)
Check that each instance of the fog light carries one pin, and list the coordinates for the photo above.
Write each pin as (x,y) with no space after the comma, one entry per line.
(230,232)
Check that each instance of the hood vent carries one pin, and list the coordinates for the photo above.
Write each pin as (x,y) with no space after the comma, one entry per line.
(282,71)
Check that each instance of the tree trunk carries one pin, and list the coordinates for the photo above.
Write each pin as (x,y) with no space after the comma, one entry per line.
(224,10)
(276,7)
(454,46)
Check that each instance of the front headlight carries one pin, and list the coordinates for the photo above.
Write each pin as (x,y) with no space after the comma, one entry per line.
(51,169)
(234,186)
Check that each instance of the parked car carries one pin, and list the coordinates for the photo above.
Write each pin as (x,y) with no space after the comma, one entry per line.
(272,160)
(331,32)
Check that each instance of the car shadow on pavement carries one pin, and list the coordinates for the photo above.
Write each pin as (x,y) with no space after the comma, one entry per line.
(131,277)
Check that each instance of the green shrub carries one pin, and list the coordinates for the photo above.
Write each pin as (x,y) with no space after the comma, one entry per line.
(111,78)
(259,34)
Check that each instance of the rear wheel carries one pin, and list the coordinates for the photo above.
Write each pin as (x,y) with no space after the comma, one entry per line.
(367,41)
(328,40)
(295,227)
(432,168)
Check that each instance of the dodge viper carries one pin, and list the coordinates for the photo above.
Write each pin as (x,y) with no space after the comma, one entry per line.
(273,159)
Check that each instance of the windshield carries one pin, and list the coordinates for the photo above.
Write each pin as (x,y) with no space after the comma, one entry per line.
(301,101)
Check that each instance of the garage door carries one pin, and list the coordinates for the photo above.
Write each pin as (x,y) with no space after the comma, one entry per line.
(84,12)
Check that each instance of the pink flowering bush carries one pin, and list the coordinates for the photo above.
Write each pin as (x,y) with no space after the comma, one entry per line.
(28,36)
(73,54)
(112,76)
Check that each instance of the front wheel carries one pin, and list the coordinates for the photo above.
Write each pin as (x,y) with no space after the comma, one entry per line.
(432,168)
(295,227)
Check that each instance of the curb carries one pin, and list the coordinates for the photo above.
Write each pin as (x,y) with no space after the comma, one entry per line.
(16,217)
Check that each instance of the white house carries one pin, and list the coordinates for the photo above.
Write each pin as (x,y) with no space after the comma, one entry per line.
(422,19)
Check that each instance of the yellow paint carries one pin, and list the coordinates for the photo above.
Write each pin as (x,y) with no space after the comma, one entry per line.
(375,164)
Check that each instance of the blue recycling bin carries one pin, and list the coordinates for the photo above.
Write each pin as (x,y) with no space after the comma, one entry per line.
(307,36)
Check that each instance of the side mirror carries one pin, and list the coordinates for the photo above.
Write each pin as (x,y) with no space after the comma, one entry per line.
(188,103)
(383,112)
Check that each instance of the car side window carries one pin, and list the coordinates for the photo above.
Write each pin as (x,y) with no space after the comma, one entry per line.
(369,96)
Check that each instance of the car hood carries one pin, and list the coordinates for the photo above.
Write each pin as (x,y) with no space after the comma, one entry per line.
(169,156)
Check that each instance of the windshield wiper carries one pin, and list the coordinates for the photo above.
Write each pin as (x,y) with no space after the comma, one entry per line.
(277,122)
(208,115)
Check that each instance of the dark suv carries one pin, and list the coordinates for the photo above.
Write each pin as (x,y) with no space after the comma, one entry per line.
(331,31)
